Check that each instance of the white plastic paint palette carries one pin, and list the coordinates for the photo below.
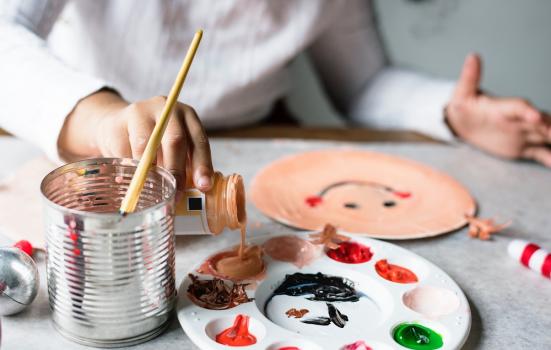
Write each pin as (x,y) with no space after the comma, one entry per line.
(435,301)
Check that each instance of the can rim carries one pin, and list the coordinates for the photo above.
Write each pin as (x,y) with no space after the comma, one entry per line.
(107,161)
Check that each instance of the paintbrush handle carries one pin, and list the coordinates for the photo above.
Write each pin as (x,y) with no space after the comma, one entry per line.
(132,196)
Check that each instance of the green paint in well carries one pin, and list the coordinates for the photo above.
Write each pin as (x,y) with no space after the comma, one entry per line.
(417,337)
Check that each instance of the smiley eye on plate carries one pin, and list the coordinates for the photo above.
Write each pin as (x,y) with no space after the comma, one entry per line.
(351,205)
(389,204)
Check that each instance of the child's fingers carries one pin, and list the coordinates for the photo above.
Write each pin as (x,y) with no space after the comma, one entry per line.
(519,110)
(174,148)
(200,150)
(120,147)
(535,138)
(140,127)
(540,154)
(469,79)
(546,118)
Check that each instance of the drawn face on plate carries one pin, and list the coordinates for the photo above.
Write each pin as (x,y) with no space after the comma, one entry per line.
(361,192)
(357,196)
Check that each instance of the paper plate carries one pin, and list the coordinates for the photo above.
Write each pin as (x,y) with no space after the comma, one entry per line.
(361,192)
(434,301)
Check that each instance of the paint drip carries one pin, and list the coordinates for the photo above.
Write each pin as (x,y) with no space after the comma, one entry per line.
(417,337)
(296,313)
(395,273)
(292,249)
(216,294)
(230,265)
(359,345)
(350,253)
(335,316)
(238,334)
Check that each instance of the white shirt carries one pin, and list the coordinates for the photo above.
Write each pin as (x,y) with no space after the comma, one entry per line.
(240,70)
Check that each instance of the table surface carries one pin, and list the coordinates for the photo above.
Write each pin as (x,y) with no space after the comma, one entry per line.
(510,304)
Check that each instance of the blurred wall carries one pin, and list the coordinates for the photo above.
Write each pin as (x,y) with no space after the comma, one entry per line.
(433,36)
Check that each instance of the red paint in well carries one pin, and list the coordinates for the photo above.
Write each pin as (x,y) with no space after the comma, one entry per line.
(351,253)
(289,348)
(395,273)
(25,246)
(238,334)
(359,345)
(314,201)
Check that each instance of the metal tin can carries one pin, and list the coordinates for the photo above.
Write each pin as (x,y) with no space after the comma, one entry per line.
(111,279)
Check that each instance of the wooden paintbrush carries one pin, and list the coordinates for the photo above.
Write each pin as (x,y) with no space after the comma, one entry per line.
(132,196)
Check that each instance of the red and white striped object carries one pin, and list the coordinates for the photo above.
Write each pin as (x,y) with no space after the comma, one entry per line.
(531,255)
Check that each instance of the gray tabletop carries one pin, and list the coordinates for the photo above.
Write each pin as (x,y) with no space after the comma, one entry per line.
(511,306)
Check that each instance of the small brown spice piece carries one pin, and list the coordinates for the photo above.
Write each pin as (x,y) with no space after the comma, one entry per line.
(483,228)
(328,237)
(296,313)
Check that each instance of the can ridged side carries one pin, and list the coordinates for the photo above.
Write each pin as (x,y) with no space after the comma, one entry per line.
(111,279)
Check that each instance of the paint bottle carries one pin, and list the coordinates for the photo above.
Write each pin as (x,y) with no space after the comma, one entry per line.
(210,213)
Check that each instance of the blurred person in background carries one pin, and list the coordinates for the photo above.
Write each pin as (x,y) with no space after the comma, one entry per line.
(87,83)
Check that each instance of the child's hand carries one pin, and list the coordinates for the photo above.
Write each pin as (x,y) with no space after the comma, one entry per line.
(506,127)
(103,124)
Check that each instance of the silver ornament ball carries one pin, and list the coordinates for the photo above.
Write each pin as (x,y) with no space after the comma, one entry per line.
(18,280)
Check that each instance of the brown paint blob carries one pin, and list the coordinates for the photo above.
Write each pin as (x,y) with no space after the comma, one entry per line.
(216,294)
(395,273)
(296,313)
(230,265)
(291,249)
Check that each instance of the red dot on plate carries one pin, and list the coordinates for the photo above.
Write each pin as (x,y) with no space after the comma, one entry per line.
(402,195)
(314,201)
(25,246)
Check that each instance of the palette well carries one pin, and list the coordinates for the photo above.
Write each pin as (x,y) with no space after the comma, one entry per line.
(330,303)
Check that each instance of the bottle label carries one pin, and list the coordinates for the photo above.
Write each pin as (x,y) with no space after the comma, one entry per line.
(191,214)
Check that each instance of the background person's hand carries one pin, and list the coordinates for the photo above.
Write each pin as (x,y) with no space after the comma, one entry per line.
(104,124)
(506,127)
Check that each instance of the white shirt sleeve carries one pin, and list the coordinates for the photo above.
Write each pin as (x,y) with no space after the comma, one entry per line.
(350,60)
(37,90)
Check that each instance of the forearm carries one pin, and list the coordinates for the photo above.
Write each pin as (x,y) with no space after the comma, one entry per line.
(39,90)
(400,99)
